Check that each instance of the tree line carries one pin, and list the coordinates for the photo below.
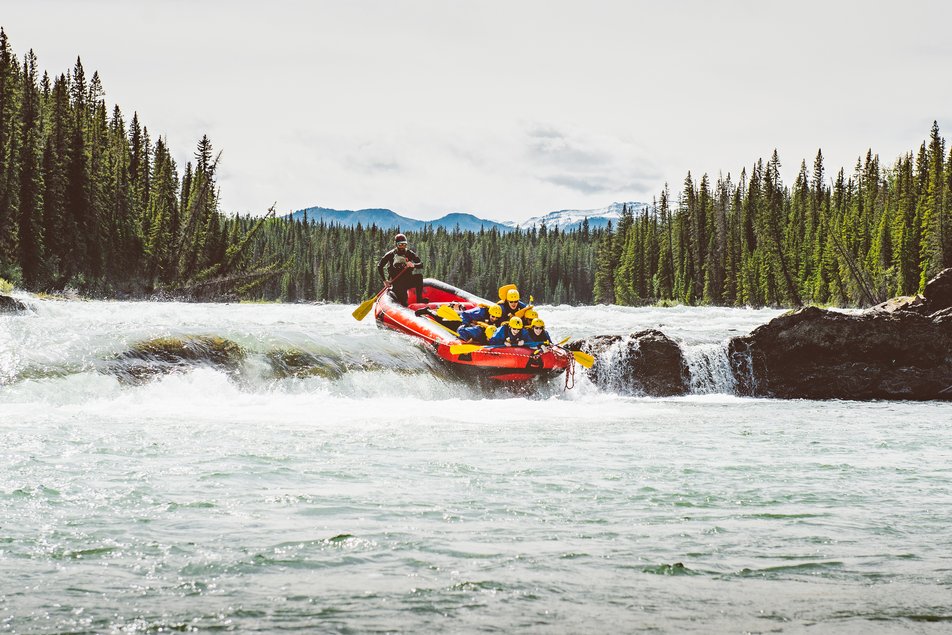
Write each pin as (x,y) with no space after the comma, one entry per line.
(853,241)
(91,202)
(334,263)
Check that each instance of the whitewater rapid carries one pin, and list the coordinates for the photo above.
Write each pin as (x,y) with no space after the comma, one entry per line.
(71,351)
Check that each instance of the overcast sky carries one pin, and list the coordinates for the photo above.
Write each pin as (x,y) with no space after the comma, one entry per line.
(504,109)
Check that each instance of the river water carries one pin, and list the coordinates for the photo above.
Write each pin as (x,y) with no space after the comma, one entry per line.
(377,494)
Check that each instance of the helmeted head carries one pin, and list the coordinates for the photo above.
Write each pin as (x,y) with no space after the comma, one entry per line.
(530,315)
(538,325)
(490,331)
(400,240)
(512,295)
(515,323)
(495,311)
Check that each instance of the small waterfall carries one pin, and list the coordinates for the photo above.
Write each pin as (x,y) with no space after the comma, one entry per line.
(710,369)
(611,364)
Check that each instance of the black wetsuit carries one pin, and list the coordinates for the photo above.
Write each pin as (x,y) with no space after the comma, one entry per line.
(395,262)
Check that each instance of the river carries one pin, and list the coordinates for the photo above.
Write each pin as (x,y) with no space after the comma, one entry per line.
(379,495)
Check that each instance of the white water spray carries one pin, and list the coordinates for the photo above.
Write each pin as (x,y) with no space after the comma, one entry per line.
(710,369)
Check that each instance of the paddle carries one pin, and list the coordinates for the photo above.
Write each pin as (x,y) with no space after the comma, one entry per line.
(503,289)
(447,313)
(463,349)
(584,359)
(361,311)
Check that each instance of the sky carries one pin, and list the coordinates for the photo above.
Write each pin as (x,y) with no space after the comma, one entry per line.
(504,109)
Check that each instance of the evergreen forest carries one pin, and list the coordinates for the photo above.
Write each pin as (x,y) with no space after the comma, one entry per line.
(91,201)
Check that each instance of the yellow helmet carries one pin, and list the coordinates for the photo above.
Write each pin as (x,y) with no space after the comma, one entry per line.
(490,331)
(515,323)
(495,310)
(538,322)
(530,314)
(512,295)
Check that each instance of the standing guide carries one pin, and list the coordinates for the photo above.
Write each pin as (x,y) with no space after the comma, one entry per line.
(395,261)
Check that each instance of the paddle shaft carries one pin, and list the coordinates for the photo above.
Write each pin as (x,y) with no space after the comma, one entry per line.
(361,311)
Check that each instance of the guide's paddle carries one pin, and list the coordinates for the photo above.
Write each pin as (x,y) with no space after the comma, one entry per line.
(361,311)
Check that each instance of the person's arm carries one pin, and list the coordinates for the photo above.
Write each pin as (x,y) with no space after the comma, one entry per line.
(413,260)
(470,316)
(384,261)
(499,337)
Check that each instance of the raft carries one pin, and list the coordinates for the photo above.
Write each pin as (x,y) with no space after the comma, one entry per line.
(502,363)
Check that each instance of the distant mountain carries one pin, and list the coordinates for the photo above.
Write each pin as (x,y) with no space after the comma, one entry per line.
(566,219)
(389,219)
(571,219)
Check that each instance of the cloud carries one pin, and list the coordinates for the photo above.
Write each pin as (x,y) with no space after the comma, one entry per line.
(587,162)
(374,157)
(600,185)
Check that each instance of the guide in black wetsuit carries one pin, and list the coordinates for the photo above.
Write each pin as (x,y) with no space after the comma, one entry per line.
(395,261)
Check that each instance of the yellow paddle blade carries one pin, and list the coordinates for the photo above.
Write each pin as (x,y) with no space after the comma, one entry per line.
(504,289)
(462,349)
(364,308)
(565,340)
(447,313)
(584,359)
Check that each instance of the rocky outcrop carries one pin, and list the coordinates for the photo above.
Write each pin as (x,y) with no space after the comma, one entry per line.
(644,363)
(299,364)
(168,354)
(11,305)
(936,297)
(901,349)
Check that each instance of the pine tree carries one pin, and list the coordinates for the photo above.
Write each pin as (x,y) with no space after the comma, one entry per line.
(933,206)
(31,180)
(604,288)
(9,124)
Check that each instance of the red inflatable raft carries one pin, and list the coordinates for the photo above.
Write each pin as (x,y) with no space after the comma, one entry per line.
(498,363)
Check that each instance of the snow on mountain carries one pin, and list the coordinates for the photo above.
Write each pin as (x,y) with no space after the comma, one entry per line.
(569,219)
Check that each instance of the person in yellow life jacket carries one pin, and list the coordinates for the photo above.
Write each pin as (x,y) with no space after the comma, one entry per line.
(537,336)
(395,261)
(477,322)
(511,305)
(512,334)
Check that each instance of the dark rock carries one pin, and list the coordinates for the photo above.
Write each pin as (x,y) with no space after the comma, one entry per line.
(817,354)
(937,296)
(11,305)
(912,303)
(300,364)
(168,354)
(644,363)
(945,315)
(938,291)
